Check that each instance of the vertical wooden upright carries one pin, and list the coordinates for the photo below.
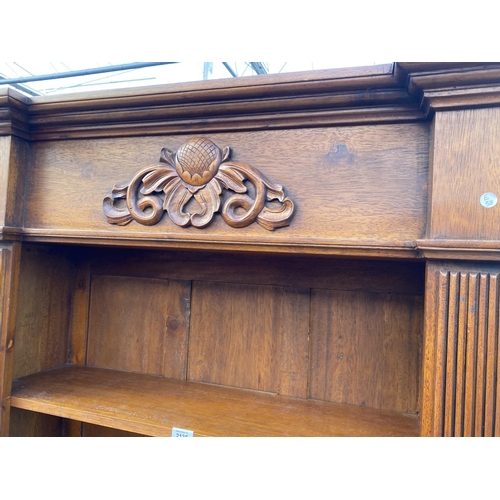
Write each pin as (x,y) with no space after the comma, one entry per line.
(461,363)
(9,272)
(13,157)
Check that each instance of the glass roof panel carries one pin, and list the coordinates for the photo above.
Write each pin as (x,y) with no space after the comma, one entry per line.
(89,77)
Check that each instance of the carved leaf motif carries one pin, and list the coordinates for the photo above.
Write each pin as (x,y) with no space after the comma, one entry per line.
(158,179)
(226,152)
(202,170)
(209,200)
(167,156)
(273,219)
(231,180)
(137,206)
(120,189)
(175,200)
(154,203)
(255,209)
(120,216)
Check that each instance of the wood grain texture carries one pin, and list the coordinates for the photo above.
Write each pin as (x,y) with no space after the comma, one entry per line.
(461,98)
(461,348)
(14,119)
(13,164)
(43,315)
(79,320)
(139,325)
(5,147)
(465,165)
(293,339)
(177,330)
(371,249)
(357,186)
(9,275)
(250,336)
(452,249)
(153,405)
(342,96)
(444,86)
(321,81)
(384,276)
(44,308)
(365,349)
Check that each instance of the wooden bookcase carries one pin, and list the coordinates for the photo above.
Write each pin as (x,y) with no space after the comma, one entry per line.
(310,255)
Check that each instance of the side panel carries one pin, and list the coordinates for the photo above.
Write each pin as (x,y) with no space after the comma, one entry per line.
(46,283)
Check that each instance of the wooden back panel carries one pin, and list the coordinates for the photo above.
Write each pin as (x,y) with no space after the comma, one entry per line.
(139,325)
(365,349)
(338,330)
(250,336)
(345,346)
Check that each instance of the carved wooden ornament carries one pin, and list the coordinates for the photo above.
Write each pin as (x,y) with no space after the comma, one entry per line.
(200,169)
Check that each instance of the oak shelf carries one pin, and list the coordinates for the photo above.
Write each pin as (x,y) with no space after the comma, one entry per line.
(152,405)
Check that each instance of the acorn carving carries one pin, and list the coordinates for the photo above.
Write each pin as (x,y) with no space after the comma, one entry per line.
(201,170)
(197,161)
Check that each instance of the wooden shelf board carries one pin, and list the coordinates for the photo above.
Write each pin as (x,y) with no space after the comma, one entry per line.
(153,405)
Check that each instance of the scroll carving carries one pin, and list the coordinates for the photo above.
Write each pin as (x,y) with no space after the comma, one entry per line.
(201,170)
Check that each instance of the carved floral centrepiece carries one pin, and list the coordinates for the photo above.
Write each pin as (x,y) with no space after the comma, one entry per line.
(201,170)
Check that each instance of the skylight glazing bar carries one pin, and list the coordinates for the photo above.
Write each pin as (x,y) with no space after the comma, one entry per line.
(83,72)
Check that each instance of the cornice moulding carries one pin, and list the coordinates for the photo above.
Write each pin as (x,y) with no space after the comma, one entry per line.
(14,118)
(391,93)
